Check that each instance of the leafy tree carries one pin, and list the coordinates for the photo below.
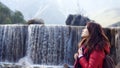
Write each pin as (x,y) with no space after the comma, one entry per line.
(17,17)
(7,16)
(7,21)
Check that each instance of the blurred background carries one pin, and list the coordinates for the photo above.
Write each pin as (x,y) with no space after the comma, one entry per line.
(53,45)
(105,12)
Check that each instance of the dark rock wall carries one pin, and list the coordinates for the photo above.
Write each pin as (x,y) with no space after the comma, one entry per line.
(77,20)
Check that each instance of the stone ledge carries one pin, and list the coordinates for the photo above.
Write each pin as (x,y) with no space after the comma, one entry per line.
(13,65)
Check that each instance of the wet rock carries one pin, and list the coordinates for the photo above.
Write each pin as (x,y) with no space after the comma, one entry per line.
(9,65)
(77,20)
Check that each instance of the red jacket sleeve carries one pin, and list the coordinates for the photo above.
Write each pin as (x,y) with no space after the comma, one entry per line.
(96,59)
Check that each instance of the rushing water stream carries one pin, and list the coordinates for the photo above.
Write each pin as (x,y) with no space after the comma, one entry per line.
(38,44)
(45,46)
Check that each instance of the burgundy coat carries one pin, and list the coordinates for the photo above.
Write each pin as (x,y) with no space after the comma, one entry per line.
(95,60)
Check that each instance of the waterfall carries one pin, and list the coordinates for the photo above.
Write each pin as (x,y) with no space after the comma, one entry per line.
(42,44)
(117,44)
(12,42)
(52,45)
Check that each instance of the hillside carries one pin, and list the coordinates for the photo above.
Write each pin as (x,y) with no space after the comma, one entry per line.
(7,16)
(115,25)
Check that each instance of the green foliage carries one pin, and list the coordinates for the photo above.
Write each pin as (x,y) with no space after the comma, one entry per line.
(18,17)
(7,21)
(9,17)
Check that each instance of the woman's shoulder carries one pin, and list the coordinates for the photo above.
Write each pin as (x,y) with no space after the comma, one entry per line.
(106,49)
(97,53)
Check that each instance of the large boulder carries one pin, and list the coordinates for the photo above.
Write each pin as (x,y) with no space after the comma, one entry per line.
(77,20)
(35,21)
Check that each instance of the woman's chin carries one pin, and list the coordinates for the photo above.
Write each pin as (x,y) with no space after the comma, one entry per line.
(84,36)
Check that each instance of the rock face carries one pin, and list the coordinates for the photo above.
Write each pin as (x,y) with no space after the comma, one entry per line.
(47,45)
(77,20)
(35,21)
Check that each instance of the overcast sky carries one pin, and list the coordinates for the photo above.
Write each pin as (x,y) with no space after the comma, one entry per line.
(104,12)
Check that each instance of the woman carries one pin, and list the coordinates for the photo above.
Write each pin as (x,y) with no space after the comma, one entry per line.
(93,47)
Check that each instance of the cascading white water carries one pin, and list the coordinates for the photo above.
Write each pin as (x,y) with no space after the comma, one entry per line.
(117,44)
(42,44)
(52,45)
(12,42)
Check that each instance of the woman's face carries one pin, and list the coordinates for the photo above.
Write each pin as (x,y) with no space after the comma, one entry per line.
(85,32)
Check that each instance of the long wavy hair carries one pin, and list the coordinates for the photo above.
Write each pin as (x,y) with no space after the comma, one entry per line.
(97,38)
